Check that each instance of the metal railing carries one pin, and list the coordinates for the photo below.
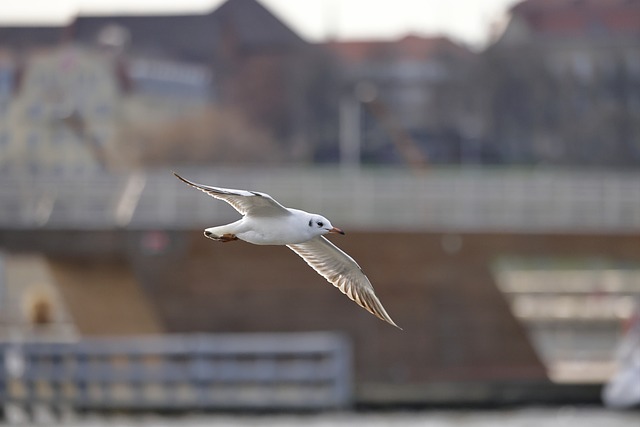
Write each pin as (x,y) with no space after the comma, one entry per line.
(390,199)
(241,371)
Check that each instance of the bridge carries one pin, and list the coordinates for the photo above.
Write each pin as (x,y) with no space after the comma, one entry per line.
(454,254)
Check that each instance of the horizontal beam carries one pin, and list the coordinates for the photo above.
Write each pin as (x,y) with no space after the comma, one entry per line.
(464,200)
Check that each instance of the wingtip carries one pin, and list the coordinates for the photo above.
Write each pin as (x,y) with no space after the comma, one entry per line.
(180,178)
(391,322)
(382,315)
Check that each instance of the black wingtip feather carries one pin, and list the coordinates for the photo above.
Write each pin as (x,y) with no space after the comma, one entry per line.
(180,178)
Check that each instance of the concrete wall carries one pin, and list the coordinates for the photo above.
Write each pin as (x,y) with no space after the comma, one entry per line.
(438,287)
(457,326)
(103,297)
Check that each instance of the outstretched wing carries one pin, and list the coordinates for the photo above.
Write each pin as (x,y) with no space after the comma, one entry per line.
(343,272)
(246,202)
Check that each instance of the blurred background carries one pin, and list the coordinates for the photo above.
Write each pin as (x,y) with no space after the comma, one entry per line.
(483,158)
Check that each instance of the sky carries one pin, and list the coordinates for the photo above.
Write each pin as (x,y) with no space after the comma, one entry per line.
(467,21)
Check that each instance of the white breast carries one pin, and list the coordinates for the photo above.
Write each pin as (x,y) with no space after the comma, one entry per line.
(274,231)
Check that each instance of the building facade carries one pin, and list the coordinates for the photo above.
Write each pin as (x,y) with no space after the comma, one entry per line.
(62,112)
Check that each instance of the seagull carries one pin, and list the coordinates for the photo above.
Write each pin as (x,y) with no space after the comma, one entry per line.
(266,222)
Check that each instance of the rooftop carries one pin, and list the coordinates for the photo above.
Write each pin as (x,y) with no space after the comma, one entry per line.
(580,17)
(408,48)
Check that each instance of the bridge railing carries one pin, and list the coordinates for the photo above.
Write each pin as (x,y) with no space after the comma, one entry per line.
(391,199)
(203,372)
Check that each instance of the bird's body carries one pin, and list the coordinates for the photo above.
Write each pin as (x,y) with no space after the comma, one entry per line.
(268,230)
(267,222)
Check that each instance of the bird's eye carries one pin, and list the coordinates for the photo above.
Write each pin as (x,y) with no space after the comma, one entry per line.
(320,224)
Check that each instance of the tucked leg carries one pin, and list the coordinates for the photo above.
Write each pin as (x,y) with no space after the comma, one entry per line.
(227,237)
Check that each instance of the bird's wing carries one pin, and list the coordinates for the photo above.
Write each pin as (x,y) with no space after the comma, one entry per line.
(343,272)
(246,202)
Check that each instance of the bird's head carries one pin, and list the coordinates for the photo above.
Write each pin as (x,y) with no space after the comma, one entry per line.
(321,225)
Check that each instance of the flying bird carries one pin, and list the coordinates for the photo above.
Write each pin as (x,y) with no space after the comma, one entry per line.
(266,222)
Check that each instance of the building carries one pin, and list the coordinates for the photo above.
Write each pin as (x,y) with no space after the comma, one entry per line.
(257,64)
(8,77)
(252,63)
(583,37)
(404,83)
(61,114)
(166,89)
(20,38)
(562,84)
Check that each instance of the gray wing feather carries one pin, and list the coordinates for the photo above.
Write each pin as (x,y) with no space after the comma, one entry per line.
(246,202)
(343,272)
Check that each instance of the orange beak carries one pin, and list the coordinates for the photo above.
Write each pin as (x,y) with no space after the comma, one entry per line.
(336,230)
